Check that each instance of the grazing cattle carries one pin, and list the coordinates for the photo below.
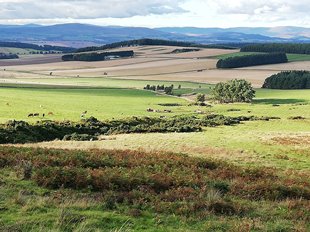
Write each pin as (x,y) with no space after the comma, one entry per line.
(105,73)
(51,73)
(162,117)
(149,110)
(36,115)
(50,113)
(43,115)
(167,111)
(30,115)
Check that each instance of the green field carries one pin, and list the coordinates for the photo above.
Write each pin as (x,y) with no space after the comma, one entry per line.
(266,159)
(291,57)
(117,101)
(68,104)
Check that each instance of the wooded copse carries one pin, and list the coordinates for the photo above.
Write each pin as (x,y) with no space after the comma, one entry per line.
(298,48)
(8,56)
(95,56)
(288,80)
(233,91)
(252,60)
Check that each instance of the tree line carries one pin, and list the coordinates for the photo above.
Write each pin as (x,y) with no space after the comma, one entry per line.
(36,47)
(94,56)
(151,42)
(252,60)
(299,48)
(288,80)
(8,56)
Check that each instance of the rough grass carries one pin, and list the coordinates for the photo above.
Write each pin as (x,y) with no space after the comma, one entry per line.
(125,190)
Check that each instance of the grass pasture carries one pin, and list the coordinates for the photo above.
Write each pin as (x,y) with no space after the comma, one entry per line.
(241,144)
(68,104)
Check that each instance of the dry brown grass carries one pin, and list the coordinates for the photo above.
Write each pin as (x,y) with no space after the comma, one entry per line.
(292,140)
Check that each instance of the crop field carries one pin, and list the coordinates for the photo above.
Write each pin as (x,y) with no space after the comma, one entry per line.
(160,162)
(150,63)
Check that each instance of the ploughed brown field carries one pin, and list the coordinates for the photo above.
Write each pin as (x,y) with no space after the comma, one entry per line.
(149,63)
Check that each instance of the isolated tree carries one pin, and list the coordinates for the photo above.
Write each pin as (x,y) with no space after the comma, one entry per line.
(233,91)
(201,98)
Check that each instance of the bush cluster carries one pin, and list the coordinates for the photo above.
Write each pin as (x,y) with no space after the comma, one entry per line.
(299,48)
(288,80)
(89,129)
(252,60)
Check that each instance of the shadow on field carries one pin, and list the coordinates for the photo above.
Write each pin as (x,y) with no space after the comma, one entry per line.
(273,101)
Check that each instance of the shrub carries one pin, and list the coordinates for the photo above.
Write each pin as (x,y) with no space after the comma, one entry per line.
(200,98)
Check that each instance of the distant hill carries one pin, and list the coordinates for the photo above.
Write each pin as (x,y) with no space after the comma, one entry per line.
(280,32)
(81,35)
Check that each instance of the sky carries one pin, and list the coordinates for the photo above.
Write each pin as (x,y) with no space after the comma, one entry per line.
(158,13)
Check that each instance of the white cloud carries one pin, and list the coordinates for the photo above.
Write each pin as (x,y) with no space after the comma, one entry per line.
(155,13)
(85,9)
